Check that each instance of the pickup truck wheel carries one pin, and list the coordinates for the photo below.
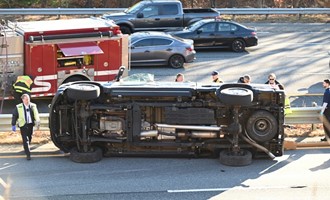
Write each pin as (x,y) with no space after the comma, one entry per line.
(83,91)
(261,126)
(92,156)
(238,45)
(230,158)
(125,30)
(236,96)
(176,61)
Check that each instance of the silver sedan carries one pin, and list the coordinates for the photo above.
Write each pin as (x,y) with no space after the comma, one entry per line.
(158,48)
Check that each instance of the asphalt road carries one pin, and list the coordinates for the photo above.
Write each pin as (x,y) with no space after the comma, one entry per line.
(300,175)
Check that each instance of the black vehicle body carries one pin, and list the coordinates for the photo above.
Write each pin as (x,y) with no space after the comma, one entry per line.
(214,33)
(143,117)
(158,15)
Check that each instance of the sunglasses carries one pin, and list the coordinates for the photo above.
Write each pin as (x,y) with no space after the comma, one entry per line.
(271,79)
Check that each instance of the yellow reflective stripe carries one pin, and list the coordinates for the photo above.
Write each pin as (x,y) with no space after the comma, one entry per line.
(22,88)
(21,116)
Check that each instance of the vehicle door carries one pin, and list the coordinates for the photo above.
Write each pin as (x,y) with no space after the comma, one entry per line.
(152,50)
(205,35)
(226,33)
(146,18)
(169,17)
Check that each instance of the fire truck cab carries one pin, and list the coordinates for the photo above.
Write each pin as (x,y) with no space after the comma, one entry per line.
(54,52)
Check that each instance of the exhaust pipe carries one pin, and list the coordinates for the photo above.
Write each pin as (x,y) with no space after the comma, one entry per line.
(258,146)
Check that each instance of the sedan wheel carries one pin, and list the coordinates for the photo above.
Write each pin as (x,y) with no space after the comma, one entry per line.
(176,61)
(238,45)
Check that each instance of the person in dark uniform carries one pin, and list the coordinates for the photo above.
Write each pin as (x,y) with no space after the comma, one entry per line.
(26,115)
(325,111)
(22,85)
(215,77)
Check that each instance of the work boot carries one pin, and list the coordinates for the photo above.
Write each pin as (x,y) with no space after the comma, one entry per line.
(323,139)
(28,157)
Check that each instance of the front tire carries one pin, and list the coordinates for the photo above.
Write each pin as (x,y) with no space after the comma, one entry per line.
(125,30)
(261,126)
(176,61)
(83,91)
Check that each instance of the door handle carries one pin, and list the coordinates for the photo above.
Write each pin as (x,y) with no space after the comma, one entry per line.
(169,49)
(157,19)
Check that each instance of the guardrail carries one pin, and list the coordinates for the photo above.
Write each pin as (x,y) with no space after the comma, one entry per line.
(301,115)
(223,11)
(5,122)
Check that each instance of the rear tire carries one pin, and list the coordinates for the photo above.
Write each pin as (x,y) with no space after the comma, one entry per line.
(236,96)
(92,156)
(242,158)
(176,61)
(238,45)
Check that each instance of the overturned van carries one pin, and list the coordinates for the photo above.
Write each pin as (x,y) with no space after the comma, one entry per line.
(138,116)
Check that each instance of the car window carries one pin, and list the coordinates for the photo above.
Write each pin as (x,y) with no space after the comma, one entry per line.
(209,27)
(150,11)
(233,27)
(169,10)
(224,27)
(160,41)
(143,43)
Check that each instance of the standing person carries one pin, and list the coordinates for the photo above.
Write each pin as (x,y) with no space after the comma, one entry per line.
(247,79)
(179,77)
(326,109)
(22,86)
(215,77)
(26,115)
(273,82)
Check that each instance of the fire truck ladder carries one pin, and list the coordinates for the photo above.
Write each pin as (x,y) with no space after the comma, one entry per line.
(3,45)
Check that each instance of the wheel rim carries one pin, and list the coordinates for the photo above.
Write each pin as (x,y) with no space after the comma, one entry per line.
(262,127)
(238,45)
(176,61)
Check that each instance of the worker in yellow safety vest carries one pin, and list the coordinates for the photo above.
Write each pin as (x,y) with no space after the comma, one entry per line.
(22,86)
(26,115)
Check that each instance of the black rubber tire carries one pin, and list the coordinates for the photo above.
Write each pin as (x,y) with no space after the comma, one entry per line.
(229,158)
(238,45)
(83,91)
(125,29)
(176,61)
(86,157)
(236,96)
(261,126)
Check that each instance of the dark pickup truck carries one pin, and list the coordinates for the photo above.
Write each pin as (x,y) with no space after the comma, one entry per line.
(139,116)
(158,15)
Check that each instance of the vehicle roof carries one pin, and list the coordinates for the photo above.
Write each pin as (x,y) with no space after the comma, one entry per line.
(64,24)
(150,33)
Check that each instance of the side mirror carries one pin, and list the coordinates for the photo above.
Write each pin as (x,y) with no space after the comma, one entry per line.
(120,73)
(140,15)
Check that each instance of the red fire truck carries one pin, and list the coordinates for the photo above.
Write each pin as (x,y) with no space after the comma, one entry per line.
(54,52)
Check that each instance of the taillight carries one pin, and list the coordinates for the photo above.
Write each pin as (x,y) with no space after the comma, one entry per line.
(190,48)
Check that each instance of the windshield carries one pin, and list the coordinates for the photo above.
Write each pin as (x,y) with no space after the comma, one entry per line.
(138,78)
(195,25)
(136,7)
